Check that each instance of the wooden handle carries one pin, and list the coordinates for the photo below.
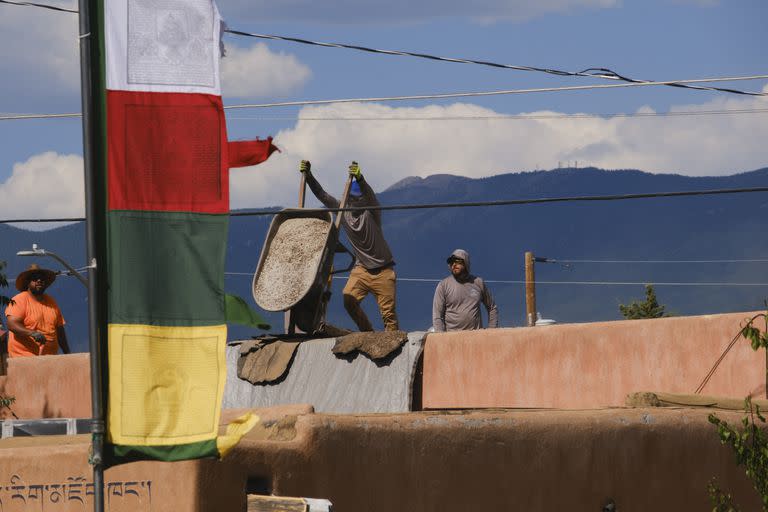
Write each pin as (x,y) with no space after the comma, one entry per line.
(302,189)
(343,203)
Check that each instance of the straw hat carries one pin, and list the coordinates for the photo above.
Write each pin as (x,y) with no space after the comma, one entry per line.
(22,281)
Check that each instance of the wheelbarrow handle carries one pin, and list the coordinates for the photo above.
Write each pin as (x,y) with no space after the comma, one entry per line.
(343,202)
(302,190)
(340,248)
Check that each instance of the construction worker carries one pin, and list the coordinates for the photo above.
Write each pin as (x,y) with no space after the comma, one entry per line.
(374,271)
(456,306)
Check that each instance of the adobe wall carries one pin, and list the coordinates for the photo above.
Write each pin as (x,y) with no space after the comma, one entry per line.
(48,386)
(52,474)
(642,459)
(588,365)
(562,366)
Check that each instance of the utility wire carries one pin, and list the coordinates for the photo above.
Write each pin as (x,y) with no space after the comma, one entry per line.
(500,117)
(558,260)
(509,202)
(602,73)
(497,93)
(66,219)
(584,283)
(522,117)
(44,6)
(587,283)
(516,201)
(16,117)
(66,273)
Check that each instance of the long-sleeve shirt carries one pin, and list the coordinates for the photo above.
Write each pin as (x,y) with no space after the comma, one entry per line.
(456,306)
(363,228)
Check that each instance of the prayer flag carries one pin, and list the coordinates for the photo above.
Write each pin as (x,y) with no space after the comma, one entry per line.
(167,189)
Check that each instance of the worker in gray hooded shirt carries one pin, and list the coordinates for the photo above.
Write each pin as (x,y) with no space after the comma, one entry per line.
(456,306)
(374,272)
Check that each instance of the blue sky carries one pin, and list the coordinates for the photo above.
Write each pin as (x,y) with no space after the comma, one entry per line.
(41,164)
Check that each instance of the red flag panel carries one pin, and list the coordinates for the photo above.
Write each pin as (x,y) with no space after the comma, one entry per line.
(243,153)
(167,152)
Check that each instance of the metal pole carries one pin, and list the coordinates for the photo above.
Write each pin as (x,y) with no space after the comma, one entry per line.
(90,82)
(42,252)
(530,289)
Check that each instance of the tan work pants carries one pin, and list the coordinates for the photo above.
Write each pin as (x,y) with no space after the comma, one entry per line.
(382,285)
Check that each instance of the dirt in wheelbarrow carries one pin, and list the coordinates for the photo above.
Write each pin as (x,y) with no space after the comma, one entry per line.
(291,263)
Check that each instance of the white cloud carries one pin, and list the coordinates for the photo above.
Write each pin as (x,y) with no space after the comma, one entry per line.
(374,11)
(257,71)
(50,38)
(51,185)
(48,185)
(391,150)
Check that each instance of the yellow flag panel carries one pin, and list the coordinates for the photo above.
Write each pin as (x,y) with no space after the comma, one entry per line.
(166,384)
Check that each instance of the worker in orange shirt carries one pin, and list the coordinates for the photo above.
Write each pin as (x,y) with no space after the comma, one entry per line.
(34,319)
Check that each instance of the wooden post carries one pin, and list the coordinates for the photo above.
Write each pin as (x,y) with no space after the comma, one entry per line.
(530,289)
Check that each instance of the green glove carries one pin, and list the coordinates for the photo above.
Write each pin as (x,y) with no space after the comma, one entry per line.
(305,166)
(354,170)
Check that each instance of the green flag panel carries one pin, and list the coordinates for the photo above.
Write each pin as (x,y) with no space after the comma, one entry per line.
(165,453)
(167,269)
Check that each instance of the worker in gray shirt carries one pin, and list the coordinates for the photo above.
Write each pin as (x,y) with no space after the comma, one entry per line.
(374,271)
(456,306)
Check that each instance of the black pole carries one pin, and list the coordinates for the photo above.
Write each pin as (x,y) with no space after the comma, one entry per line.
(92,107)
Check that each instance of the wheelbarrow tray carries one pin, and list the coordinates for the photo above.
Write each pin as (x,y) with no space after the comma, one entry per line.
(308,290)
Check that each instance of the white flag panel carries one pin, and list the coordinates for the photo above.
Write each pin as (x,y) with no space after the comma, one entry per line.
(163,46)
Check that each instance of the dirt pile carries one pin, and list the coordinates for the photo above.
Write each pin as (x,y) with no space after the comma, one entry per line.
(291,263)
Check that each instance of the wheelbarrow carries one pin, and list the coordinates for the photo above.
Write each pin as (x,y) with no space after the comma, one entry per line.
(295,267)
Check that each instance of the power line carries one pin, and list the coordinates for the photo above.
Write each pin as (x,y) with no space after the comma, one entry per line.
(509,202)
(497,117)
(602,73)
(65,273)
(518,201)
(17,117)
(522,117)
(44,6)
(558,260)
(581,283)
(41,221)
(496,93)
(586,283)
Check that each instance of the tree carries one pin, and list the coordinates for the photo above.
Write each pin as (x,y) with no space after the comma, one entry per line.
(5,401)
(3,284)
(650,308)
(750,443)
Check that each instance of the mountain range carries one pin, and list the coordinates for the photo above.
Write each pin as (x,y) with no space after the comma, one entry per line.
(603,250)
